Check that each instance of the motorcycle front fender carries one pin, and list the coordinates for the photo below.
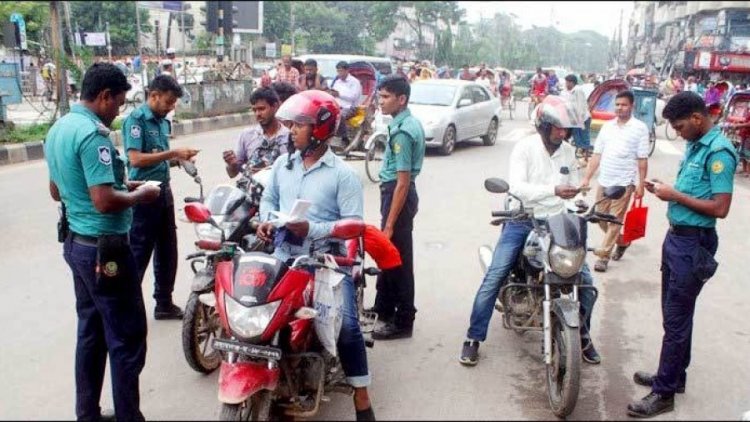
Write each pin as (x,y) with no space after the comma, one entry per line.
(240,380)
(203,281)
(566,310)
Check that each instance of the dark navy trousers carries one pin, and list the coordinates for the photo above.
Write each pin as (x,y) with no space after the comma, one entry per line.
(154,230)
(111,320)
(687,262)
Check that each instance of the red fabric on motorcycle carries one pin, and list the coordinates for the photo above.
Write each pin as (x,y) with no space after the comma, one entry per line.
(635,222)
(380,248)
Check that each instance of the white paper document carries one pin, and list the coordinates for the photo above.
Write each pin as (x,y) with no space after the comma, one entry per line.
(298,213)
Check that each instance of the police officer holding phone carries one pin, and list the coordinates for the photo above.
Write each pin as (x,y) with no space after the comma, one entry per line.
(701,194)
(145,135)
(87,175)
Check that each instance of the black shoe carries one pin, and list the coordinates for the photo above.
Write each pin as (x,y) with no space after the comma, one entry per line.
(382,317)
(366,415)
(651,405)
(469,353)
(619,252)
(169,311)
(391,331)
(646,379)
(589,353)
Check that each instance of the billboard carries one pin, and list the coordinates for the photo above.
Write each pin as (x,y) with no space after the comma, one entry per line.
(249,17)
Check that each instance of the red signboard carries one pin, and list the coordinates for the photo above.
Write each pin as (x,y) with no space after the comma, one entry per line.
(730,62)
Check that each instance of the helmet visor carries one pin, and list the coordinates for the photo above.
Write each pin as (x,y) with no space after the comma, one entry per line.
(297,109)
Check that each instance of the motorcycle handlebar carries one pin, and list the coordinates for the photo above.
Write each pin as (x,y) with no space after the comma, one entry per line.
(504,214)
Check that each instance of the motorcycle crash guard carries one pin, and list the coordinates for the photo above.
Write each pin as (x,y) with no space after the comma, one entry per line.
(240,380)
(566,311)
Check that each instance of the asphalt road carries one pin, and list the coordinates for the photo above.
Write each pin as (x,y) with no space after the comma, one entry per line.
(417,378)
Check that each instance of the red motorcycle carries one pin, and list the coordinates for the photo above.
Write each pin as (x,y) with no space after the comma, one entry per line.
(272,360)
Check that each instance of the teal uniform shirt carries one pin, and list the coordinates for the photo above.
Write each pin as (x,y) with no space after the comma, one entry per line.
(706,169)
(404,150)
(80,155)
(145,132)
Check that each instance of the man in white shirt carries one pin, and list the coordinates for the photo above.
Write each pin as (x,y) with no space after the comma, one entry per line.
(622,151)
(347,90)
(543,174)
(576,96)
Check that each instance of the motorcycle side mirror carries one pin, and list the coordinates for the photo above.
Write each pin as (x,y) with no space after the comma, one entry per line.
(189,168)
(198,213)
(614,192)
(496,185)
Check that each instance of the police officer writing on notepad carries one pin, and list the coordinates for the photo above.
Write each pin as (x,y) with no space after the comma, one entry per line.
(145,135)
(88,175)
(701,194)
(404,154)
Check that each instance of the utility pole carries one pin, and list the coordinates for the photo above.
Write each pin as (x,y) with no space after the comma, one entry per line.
(109,43)
(291,28)
(137,28)
(69,32)
(184,56)
(57,46)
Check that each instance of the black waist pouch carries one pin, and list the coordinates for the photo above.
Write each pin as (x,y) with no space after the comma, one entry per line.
(112,269)
(62,225)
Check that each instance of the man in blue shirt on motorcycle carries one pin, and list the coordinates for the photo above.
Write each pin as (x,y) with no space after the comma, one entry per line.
(543,173)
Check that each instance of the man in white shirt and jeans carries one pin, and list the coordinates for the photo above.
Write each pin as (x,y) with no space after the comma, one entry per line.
(347,90)
(543,173)
(622,151)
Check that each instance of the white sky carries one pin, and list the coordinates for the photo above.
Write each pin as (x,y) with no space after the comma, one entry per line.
(570,16)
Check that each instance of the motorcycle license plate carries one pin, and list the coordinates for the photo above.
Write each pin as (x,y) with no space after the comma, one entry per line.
(251,350)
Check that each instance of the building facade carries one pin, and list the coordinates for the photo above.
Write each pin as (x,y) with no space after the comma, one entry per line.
(690,36)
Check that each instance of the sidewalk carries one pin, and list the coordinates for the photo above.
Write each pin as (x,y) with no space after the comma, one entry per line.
(18,153)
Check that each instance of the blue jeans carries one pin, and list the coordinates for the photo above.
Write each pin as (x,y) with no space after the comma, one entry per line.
(351,343)
(582,137)
(506,254)
(109,322)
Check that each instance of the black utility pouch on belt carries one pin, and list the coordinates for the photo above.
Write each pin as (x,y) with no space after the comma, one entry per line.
(62,225)
(112,270)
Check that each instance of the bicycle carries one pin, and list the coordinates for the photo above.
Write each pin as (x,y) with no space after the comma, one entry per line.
(509,102)
(375,151)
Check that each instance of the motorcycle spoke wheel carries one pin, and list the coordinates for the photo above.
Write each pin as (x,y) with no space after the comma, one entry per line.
(563,374)
(200,327)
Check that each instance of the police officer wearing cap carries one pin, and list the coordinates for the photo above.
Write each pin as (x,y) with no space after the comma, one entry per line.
(701,194)
(87,175)
(145,135)
(399,202)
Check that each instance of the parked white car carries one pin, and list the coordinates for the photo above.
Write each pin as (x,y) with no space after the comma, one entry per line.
(452,111)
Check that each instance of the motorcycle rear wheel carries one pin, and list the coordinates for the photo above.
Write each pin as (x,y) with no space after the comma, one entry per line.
(255,408)
(197,336)
(564,374)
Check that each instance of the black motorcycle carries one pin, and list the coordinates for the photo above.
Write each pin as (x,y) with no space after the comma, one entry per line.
(541,292)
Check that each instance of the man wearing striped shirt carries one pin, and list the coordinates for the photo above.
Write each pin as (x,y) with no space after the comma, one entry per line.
(622,150)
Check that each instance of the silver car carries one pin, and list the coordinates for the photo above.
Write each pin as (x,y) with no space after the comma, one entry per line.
(453,110)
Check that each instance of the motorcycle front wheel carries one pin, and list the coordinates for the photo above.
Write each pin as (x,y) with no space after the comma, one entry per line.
(199,329)
(255,408)
(564,374)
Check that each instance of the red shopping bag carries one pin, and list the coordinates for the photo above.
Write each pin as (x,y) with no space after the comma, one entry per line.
(635,222)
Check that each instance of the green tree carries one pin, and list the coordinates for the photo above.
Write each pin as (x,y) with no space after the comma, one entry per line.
(36,16)
(92,16)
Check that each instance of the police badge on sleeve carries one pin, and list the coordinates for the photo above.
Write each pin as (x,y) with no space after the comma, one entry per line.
(105,156)
(135,132)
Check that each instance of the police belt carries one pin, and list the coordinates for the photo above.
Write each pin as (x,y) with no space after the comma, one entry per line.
(89,240)
(391,185)
(690,230)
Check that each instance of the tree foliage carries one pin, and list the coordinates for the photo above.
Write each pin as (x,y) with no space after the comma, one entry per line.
(92,16)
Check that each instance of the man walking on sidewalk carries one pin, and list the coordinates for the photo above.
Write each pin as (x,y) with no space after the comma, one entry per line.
(622,150)
(404,154)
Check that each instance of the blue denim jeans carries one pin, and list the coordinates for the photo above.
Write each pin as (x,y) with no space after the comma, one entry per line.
(582,137)
(351,343)
(506,253)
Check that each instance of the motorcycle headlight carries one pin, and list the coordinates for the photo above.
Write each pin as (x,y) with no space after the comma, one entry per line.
(206,231)
(566,262)
(246,321)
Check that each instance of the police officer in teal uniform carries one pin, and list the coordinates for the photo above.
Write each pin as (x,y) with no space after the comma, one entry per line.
(701,194)
(88,175)
(145,135)
(404,154)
